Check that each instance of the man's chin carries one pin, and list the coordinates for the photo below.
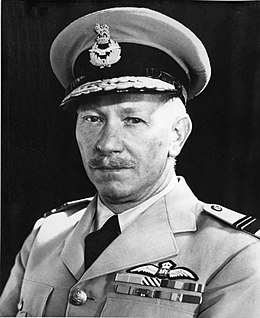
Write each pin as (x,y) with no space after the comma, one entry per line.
(114,192)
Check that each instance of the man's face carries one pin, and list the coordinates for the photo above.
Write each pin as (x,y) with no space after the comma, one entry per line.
(124,141)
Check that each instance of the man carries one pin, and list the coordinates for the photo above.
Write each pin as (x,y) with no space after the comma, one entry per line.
(144,246)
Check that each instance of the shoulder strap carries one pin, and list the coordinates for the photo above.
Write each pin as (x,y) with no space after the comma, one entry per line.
(245,223)
(73,206)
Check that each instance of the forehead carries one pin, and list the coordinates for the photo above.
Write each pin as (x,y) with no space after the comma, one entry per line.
(124,101)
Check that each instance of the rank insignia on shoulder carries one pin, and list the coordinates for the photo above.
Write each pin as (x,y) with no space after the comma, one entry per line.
(72,205)
(165,270)
(245,223)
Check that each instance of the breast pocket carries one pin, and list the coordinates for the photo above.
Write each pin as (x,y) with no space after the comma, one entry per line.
(135,307)
(34,297)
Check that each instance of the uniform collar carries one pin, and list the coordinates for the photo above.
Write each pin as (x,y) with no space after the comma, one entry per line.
(73,251)
(181,205)
(153,233)
(127,217)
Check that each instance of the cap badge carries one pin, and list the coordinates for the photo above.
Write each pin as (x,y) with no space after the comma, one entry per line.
(105,51)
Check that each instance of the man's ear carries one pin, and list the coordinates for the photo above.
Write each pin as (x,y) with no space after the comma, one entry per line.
(181,130)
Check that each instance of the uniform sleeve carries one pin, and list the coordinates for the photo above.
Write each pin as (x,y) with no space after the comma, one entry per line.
(234,291)
(11,293)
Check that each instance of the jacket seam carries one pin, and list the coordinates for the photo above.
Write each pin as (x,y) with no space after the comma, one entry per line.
(229,260)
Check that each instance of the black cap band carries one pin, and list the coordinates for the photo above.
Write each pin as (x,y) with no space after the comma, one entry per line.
(135,60)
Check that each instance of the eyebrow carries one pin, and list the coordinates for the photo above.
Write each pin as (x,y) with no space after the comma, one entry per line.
(131,110)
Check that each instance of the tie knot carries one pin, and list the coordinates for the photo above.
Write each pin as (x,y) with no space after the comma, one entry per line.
(112,224)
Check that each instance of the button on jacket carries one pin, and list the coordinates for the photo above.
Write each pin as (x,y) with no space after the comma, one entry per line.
(48,278)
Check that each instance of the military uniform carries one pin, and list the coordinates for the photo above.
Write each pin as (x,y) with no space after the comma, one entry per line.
(205,268)
(176,259)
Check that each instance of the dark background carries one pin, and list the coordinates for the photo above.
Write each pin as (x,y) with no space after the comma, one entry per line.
(41,165)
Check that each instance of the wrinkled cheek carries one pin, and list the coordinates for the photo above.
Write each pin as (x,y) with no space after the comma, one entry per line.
(85,140)
(86,146)
(158,148)
(157,155)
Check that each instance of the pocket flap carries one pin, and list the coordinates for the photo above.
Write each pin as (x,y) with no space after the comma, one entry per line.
(34,297)
(119,307)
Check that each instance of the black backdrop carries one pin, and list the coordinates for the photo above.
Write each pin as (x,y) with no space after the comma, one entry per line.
(41,166)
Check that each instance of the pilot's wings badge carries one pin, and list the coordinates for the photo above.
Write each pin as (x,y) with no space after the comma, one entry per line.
(148,270)
(165,270)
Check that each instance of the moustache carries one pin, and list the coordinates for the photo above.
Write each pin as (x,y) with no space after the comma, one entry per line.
(105,162)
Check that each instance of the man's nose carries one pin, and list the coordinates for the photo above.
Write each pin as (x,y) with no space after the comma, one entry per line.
(110,139)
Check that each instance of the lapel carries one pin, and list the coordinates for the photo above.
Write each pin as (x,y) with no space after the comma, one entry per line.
(151,236)
(73,252)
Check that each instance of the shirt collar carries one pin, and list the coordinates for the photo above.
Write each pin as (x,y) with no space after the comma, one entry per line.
(128,216)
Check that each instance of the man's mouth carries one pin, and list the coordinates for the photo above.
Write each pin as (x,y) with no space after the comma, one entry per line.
(109,168)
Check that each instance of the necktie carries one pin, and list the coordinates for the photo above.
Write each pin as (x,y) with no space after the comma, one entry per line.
(97,241)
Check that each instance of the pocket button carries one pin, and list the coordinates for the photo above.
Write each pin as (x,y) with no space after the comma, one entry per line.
(20,305)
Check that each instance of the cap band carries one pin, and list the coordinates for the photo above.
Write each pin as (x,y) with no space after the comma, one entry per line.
(135,60)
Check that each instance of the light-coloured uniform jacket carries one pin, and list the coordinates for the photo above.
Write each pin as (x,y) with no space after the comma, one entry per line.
(174,260)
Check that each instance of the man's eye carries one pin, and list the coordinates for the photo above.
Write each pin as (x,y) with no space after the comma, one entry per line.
(92,119)
(133,120)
